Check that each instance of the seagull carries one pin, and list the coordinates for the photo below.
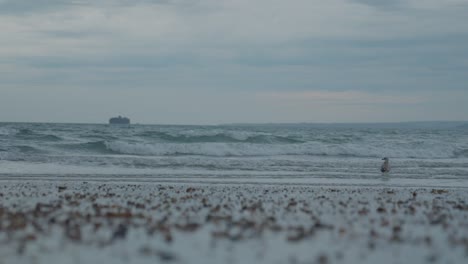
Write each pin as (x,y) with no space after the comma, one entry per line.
(385,166)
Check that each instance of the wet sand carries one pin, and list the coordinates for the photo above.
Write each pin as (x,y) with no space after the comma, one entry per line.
(92,222)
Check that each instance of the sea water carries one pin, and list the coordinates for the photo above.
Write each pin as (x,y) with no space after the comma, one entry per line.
(297,154)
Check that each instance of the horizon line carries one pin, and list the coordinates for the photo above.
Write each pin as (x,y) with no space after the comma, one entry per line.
(248,123)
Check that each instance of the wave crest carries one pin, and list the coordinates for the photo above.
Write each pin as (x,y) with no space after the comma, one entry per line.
(28,134)
(220,138)
(99,147)
(309,149)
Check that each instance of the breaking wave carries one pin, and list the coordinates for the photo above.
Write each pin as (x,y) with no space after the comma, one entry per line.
(27,134)
(461,153)
(219,138)
(309,149)
(99,147)
(27,149)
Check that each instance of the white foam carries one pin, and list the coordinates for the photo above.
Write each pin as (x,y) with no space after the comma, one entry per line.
(6,131)
(311,148)
(237,135)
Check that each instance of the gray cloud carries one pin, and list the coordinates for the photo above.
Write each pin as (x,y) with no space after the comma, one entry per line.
(361,64)
(21,7)
(232,53)
(399,5)
(72,34)
(382,4)
(13,7)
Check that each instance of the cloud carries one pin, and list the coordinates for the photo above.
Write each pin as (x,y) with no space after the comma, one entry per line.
(347,97)
(382,4)
(13,7)
(304,47)
(22,7)
(394,5)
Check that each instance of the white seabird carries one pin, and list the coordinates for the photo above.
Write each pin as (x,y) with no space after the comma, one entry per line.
(385,166)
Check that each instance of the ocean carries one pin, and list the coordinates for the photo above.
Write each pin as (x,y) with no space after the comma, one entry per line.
(281,154)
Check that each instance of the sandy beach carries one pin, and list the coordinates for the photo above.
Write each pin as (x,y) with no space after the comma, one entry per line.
(95,222)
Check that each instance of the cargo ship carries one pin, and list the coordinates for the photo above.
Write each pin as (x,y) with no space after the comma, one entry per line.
(119,120)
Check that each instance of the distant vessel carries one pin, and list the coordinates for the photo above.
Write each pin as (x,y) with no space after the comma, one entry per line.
(119,120)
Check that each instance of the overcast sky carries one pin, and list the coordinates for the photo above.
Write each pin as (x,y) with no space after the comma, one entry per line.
(223,61)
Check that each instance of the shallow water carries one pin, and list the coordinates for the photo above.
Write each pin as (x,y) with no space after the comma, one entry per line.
(263,153)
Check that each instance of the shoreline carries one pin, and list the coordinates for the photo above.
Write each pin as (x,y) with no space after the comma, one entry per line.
(387,181)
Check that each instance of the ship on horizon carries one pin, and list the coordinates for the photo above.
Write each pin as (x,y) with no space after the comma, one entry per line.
(120,120)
